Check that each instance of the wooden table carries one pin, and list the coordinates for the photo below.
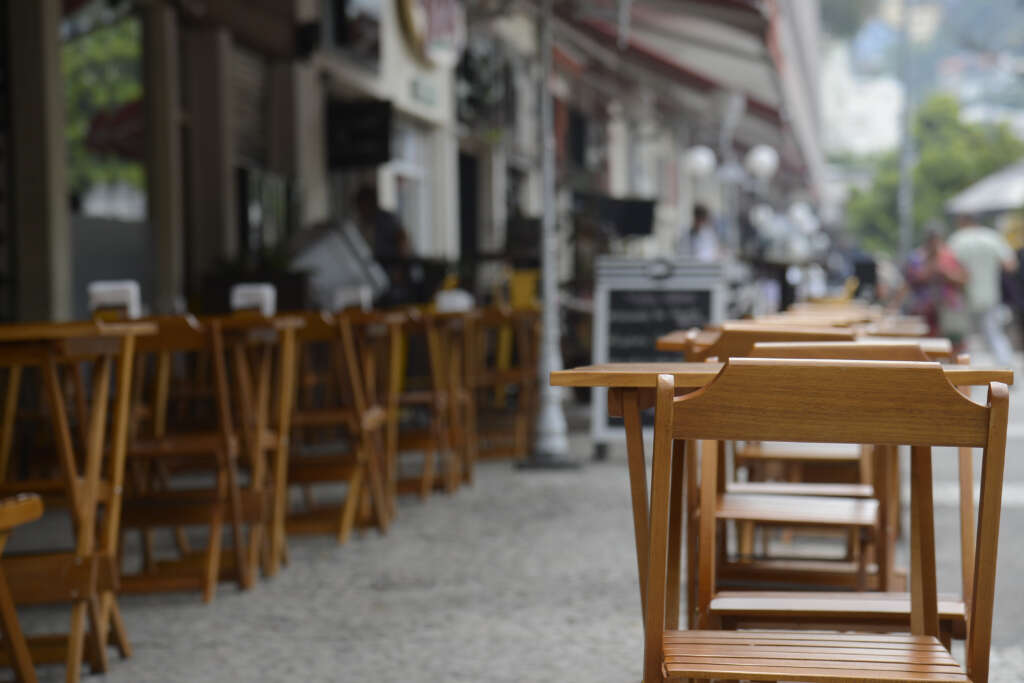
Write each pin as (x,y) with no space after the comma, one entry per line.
(938,348)
(631,390)
(87,576)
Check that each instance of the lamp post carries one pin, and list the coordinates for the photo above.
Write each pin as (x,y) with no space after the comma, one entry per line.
(551,448)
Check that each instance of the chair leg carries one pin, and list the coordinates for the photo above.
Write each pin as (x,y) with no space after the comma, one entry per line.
(259,550)
(98,662)
(378,504)
(76,642)
(675,535)
(348,510)
(118,633)
(213,553)
(14,639)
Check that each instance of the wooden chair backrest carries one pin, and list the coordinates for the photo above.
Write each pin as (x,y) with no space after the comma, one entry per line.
(771,400)
(184,334)
(905,350)
(375,347)
(836,401)
(896,350)
(738,339)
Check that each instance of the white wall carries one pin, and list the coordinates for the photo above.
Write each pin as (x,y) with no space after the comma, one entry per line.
(422,95)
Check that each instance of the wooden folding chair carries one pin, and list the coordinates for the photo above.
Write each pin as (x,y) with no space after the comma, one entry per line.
(183,459)
(341,430)
(504,379)
(14,512)
(263,351)
(85,476)
(744,609)
(887,403)
(439,417)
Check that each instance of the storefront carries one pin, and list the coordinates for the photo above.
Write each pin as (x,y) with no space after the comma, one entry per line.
(402,55)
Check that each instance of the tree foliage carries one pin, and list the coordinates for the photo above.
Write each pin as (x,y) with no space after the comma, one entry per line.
(102,70)
(950,155)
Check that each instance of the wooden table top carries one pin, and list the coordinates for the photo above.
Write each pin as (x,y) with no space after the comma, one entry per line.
(645,375)
(683,340)
(44,331)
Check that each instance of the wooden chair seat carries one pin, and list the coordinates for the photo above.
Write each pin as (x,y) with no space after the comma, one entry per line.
(773,450)
(798,511)
(785,488)
(807,656)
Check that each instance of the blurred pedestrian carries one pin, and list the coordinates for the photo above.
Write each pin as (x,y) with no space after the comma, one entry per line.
(703,238)
(381,228)
(936,280)
(985,254)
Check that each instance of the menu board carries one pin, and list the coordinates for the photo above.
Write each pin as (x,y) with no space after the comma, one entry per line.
(636,318)
(637,301)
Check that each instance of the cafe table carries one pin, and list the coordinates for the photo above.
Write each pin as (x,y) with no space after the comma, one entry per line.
(631,390)
(683,341)
(91,475)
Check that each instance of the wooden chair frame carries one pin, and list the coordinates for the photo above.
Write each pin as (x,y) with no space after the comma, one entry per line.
(348,404)
(889,612)
(155,453)
(91,477)
(498,331)
(850,402)
(451,433)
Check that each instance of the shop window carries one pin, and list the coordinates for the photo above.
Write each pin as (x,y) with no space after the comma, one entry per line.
(101,63)
(412,185)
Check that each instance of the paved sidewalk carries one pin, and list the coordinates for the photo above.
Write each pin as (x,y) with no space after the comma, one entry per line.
(525,576)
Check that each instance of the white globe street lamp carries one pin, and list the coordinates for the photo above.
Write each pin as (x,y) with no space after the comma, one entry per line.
(762,162)
(700,161)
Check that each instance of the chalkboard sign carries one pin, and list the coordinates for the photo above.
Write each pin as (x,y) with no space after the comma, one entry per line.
(636,318)
(358,133)
(635,302)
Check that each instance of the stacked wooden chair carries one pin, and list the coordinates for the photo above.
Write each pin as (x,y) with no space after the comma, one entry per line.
(739,609)
(504,380)
(184,460)
(439,417)
(213,452)
(76,464)
(812,401)
(340,428)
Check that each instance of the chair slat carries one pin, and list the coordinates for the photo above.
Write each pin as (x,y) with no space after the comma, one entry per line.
(751,400)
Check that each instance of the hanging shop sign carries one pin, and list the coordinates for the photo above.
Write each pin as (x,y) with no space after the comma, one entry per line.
(434,30)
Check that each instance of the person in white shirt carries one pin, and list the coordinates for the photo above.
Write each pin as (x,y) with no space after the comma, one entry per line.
(703,239)
(984,254)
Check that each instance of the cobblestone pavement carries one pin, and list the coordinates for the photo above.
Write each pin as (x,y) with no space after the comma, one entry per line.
(524,576)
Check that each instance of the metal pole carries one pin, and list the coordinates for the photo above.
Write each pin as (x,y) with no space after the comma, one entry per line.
(905,198)
(551,449)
